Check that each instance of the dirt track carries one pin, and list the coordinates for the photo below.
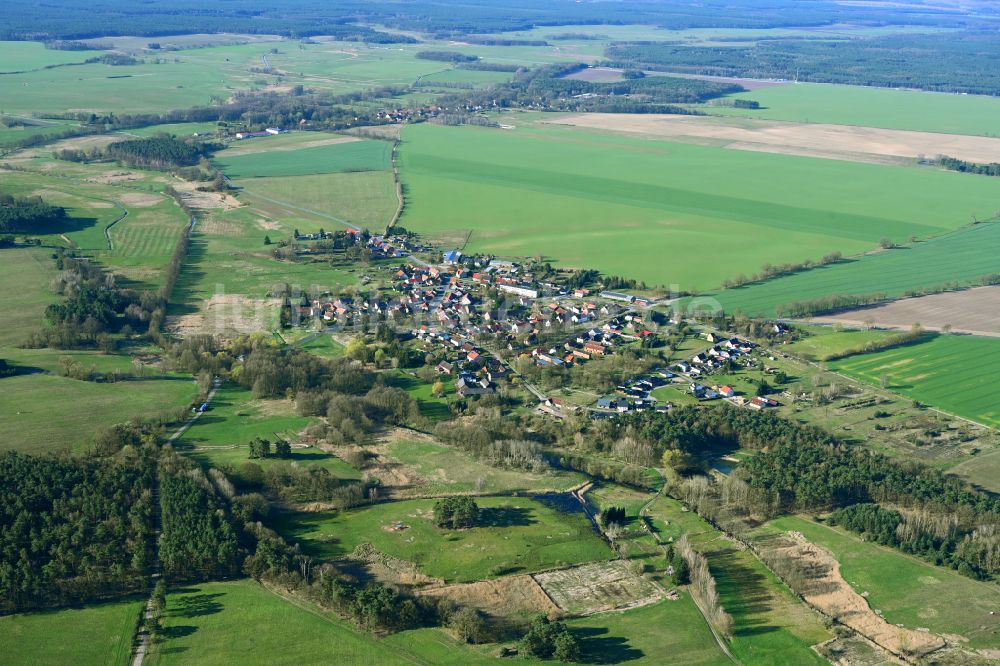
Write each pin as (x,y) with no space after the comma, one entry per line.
(864,144)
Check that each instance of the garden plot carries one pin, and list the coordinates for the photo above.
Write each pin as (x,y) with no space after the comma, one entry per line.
(597,587)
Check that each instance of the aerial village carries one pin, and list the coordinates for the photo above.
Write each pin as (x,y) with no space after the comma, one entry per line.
(481,315)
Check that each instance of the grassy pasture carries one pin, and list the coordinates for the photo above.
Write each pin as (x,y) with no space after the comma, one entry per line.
(176,129)
(448,470)
(24,292)
(41,413)
(215,624)
(516,535)
(365,198)
(959,257)
(907,590)
(350,156)
(25,56)
(872,107)
(228,256)
(670,632)
(771,625)
(953,372)
(820,342)
(554,191)
(17,132)
(92,635)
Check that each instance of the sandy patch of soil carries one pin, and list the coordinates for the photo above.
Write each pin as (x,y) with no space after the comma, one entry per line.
(598,587)
(596,75)
(502,597)
(140,200)
(227,315)
(213,226)
(820,140)
(268,225)
(975,311)
(832,595)
(195,198)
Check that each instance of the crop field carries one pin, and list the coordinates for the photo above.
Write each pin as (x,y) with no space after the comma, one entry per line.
(907,590)
(348,156)
(846,142)
(953,372)
(92,635)
(448,470)
(552,190)
(215,624)
(955,258)
(143,242)
(365,198)
(975,311)
(516,535)
(872,107)
(43,413)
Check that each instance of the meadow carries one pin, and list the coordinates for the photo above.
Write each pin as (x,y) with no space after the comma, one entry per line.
(446,469)
(25,56)
(24,292)
(214,624)
(348,156)
(515,535)
(821,342)
(955,373)
(46,413)
(670,632)
(92,635)
(365,198)
(906,590)
(771,625)
(954,258)
(871,107)
(683,214)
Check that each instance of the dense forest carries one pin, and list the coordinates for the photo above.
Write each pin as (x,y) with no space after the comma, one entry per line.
(29,215)
(158,152)
(73,530)
(77,19)
(967,62)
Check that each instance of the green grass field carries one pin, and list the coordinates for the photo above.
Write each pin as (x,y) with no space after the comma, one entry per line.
(333,158)
(216,624)
(221,435)
(42,413)
(821,342)
(958,257)
(449,470)
(955,373)
(651,209)
(873,107)
(432,406)
(670,632)
(24,56)
(93,635)
(907,590)
(365,198)
(771,625)
(24,292)
(517,535)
